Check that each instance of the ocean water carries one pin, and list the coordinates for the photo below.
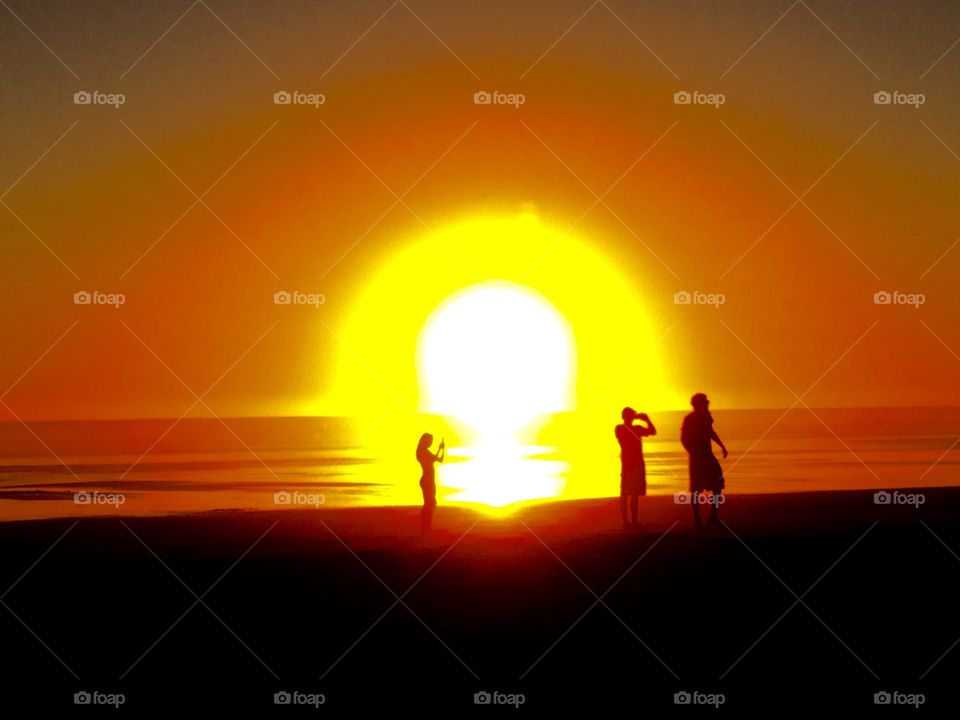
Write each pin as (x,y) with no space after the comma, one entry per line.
(147,467)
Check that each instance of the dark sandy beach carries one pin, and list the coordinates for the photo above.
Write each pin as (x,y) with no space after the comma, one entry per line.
(813,600)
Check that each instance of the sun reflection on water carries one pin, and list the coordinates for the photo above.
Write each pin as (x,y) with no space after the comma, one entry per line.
(502,475)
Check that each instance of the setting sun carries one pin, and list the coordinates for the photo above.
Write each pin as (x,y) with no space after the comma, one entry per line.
(496,356)
(484,331)
(566,281)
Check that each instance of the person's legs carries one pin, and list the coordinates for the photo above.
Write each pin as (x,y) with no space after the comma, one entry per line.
(623,507)
(423,510)
(695,504)
(715,501)
(429,503)
(633,508)
(426,516)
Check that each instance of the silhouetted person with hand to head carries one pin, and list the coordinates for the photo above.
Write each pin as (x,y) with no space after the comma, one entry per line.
(428,478)
(706,475)
(633,471)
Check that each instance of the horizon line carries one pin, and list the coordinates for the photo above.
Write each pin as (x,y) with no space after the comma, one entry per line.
(152,418)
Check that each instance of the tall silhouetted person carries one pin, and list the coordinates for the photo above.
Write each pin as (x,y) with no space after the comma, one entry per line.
(706,475)
(428,479)
(633,471)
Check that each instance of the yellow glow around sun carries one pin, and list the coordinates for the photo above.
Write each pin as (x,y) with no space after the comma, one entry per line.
(496,356)
(457,302)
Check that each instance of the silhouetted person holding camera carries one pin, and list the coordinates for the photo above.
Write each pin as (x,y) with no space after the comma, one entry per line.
(633,471)
(706,475)
(428,479)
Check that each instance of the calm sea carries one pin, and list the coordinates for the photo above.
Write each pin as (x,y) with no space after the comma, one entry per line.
(53,469)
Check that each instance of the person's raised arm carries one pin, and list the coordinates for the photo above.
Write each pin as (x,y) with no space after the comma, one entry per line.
(650,429)
(441,451)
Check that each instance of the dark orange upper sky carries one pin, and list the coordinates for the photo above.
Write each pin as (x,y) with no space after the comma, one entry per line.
(303,198)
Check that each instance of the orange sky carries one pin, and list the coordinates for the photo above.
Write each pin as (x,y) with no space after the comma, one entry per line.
(305,203)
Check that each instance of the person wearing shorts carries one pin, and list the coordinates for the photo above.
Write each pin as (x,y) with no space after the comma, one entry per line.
(633,471)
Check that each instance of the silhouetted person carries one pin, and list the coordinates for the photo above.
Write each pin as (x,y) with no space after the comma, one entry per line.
(633,471)
(428,480)
(706,475)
